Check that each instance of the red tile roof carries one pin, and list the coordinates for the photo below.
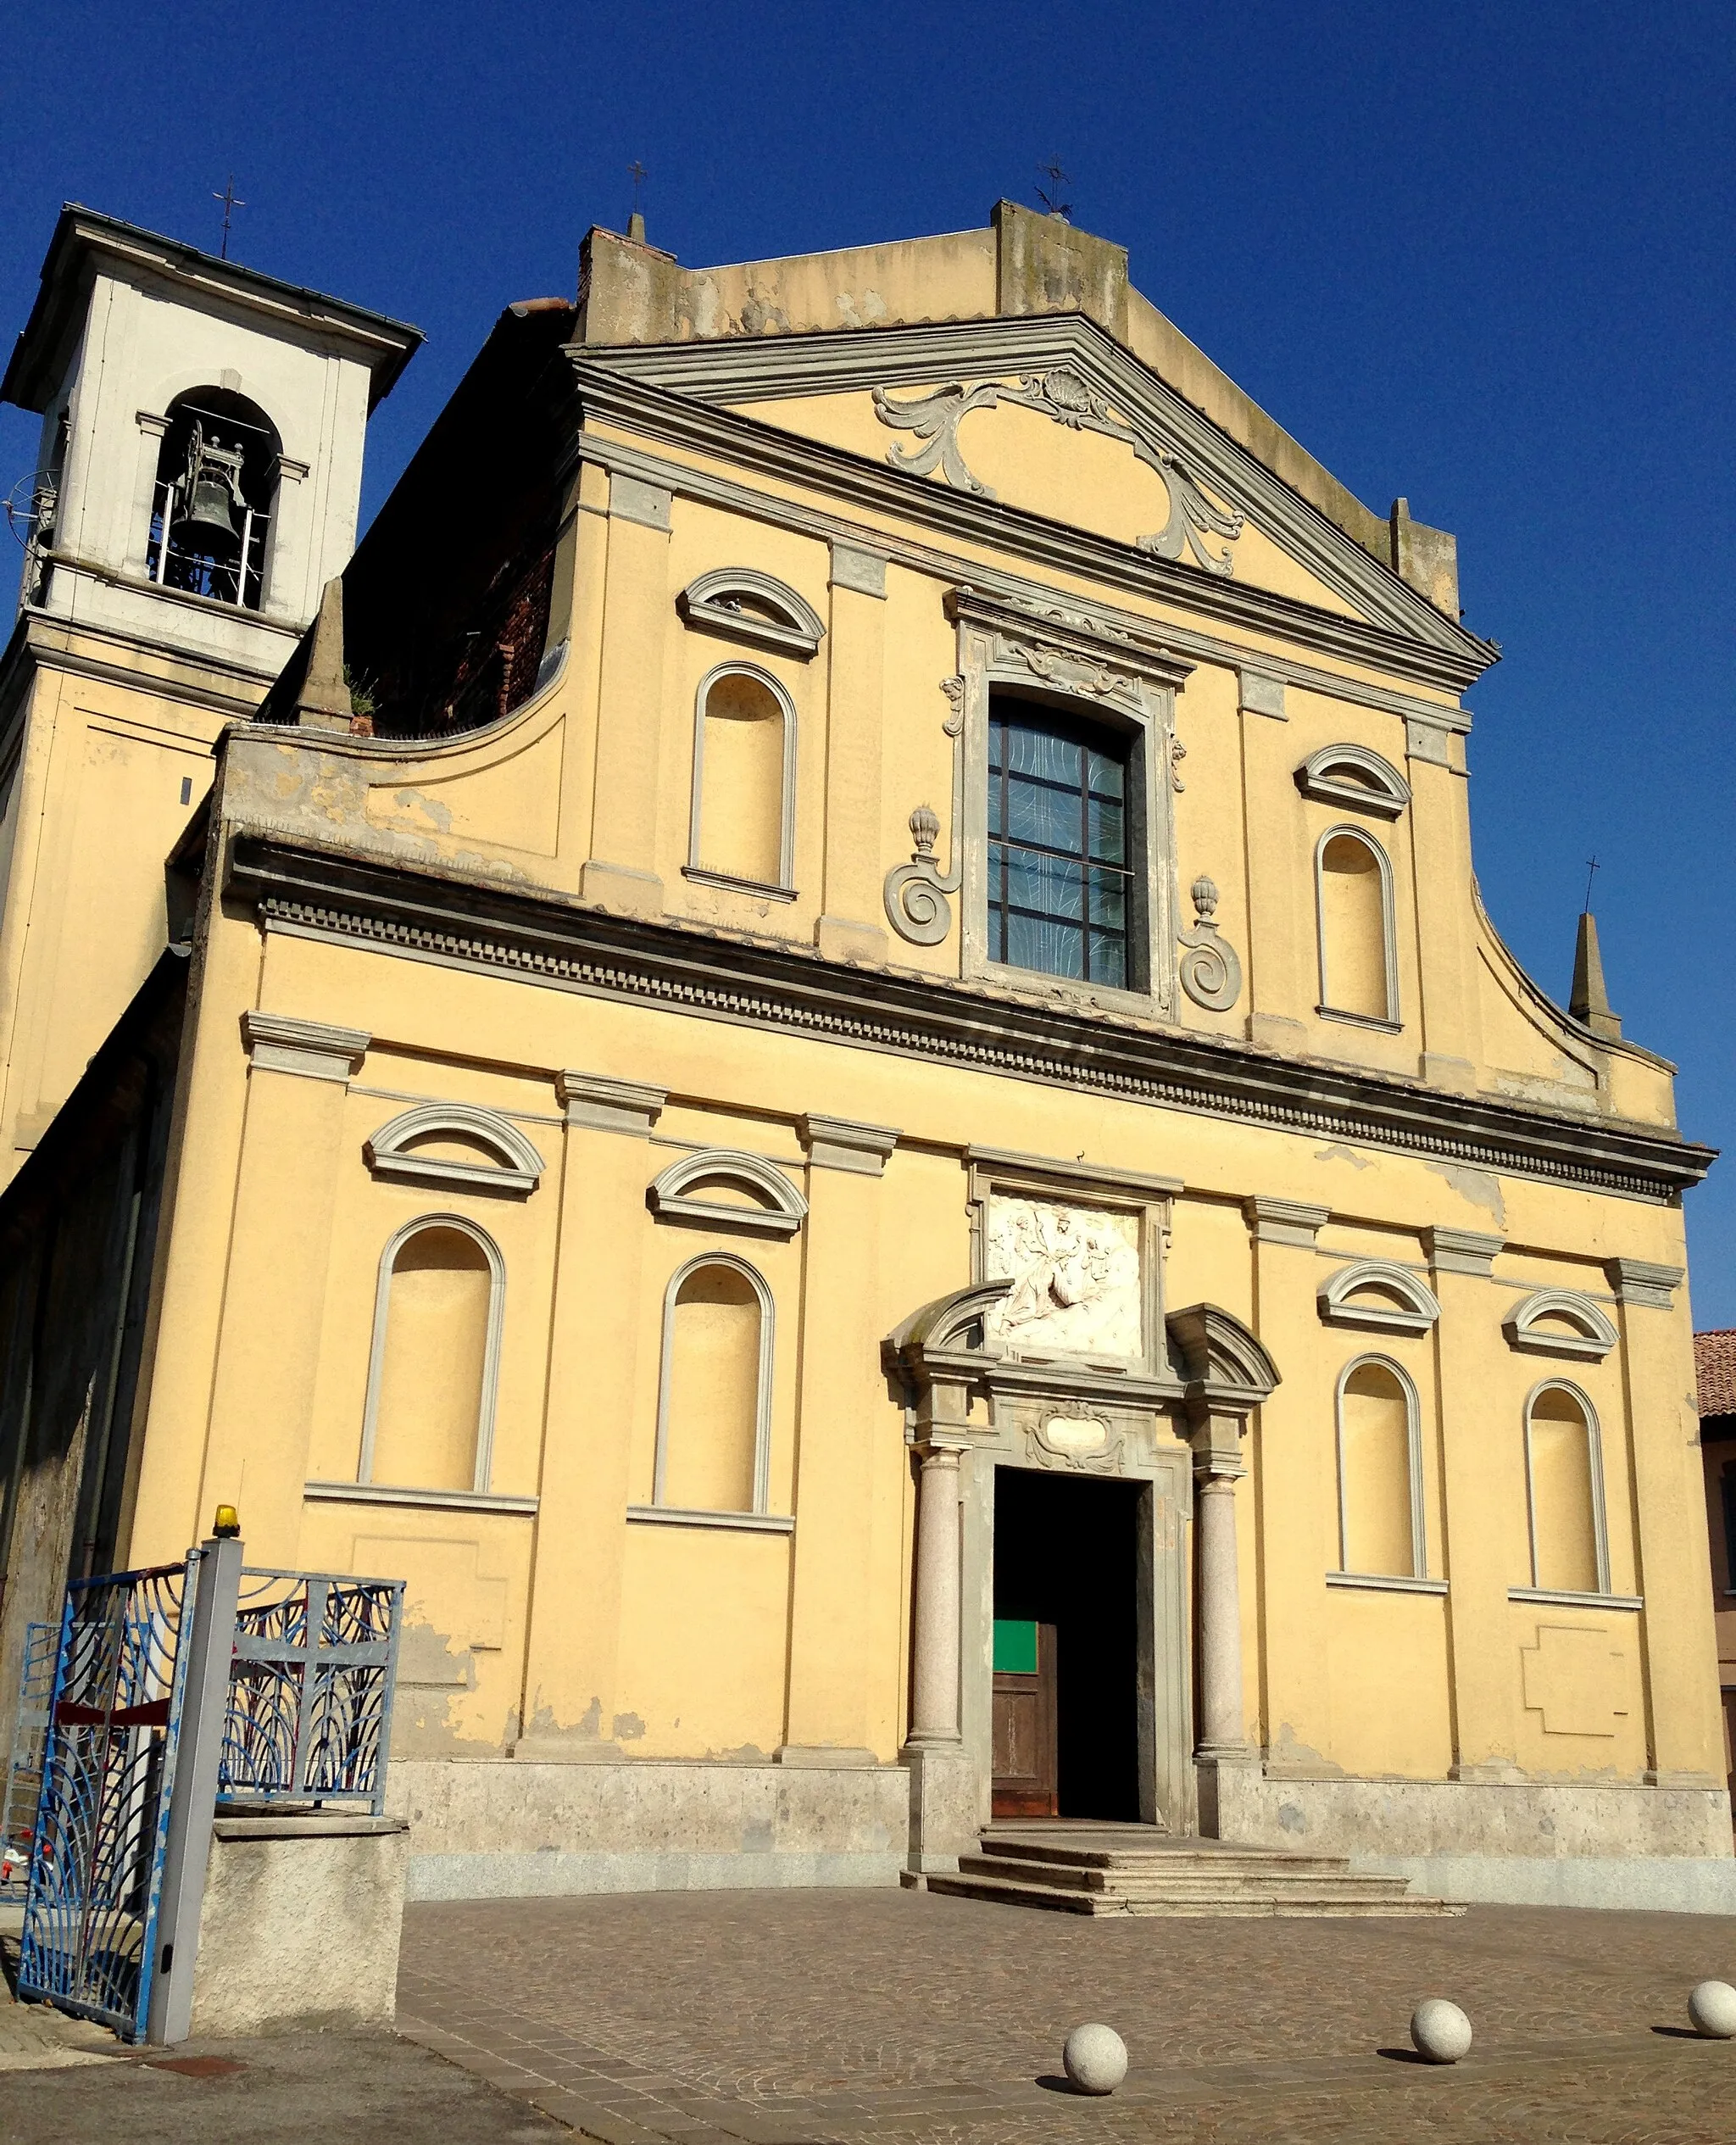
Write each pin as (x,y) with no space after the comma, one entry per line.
(1715,1367)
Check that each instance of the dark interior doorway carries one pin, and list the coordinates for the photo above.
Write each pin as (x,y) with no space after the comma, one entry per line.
(1065,1553)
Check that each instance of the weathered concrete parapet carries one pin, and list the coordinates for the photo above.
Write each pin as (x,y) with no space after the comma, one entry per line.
(301,1923)
(1045,265)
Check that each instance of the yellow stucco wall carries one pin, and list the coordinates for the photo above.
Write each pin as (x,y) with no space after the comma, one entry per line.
(555,1617)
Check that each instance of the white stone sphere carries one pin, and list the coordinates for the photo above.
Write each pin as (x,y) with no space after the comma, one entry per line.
(1095,2058)
(1440,2032)
(1712,2008)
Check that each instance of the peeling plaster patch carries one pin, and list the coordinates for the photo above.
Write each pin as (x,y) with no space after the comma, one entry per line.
(428,813)
(628,1727)
(1291,1817)
(1477,1187)
(1300,1758)
(1342,1153)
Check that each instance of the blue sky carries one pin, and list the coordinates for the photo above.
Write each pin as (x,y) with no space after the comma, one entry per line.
(1478,255)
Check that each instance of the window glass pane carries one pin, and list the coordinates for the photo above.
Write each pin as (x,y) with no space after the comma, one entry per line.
(1108,899)
(1052,885)
(1055,800)
(1109,959)
(1108,776)
(1057,949)
(1034,751)
(1108,831)
(1041,813)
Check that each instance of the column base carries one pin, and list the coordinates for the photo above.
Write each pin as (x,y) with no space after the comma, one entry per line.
(621,886)
(944,1822)
(1220,1774)
(837,939)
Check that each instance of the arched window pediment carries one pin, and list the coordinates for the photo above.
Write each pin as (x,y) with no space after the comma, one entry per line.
(1559,1322)
(1378,1295)
(505,1161)
(1350,774)
(742,603)
(725,1187)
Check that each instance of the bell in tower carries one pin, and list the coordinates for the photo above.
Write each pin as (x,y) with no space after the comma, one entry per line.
(211,487)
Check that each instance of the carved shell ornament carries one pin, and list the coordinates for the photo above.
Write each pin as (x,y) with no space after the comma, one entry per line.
(1064,396)
(1210,973)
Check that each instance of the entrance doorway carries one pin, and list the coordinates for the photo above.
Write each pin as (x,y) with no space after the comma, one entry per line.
(1066,1644)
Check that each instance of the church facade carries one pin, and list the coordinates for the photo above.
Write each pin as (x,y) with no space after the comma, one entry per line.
(827,1058)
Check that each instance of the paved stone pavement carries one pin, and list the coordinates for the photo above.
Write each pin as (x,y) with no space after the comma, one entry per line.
(888,2017)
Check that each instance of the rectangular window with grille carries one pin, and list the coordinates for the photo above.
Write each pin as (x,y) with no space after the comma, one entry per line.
(1060,846)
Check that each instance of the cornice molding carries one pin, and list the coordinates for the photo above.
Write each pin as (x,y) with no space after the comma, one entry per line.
(1398,638)
(475,924)
(781,512)
(742,370)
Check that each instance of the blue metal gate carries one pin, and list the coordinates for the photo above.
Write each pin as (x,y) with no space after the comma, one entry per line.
(103,1816)
(309,1714)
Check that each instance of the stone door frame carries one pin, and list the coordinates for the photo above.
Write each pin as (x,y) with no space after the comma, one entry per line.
(1147,1452)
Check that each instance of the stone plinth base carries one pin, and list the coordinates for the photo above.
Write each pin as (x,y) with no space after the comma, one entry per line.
(945,1816)
(300,1923)
(518,1827)
(1517,1842)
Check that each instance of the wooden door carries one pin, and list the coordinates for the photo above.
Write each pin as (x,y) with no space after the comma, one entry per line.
(1025,1773)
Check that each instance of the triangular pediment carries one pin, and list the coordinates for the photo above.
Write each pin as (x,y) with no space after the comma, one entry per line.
(1050,417)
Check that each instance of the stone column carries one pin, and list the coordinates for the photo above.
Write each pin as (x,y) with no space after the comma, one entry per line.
(943,1784)
(1222,1725)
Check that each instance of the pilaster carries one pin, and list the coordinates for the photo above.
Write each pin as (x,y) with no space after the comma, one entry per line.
(1280,905)
(847,929)
(844,1499)
(274,1292)
(621,871)
(573,1636)
(1482,1464)
(1294,1474)
(1678,1639)
(1446,951)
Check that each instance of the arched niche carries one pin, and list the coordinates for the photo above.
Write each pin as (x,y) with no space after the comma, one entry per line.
(742,829)
(1353,886)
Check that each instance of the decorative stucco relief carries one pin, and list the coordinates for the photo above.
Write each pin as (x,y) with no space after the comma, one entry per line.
(1074,1272)
(1065,396)
(1211,974)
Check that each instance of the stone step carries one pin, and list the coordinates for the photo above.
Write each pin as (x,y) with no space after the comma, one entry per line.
(1084,1873)
(1320,1903)
(1179,1856)
(1183,1882)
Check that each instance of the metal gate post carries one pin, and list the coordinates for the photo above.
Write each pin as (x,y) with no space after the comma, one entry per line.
(193,1798)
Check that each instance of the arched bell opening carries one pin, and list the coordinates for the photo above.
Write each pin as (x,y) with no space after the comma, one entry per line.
(212,502)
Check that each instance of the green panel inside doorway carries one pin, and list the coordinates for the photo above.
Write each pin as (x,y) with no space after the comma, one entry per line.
(1015,1648)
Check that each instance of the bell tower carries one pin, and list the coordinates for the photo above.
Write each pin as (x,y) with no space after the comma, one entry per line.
(197,481)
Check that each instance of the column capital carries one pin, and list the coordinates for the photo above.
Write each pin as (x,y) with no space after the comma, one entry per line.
(1462,1250)
(593,1100)
(280,1043)
(855,567)
(1641,1282)
(1284,1221)
(835,1143)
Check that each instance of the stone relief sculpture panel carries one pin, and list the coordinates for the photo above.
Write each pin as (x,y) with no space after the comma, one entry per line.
(1075,1275)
